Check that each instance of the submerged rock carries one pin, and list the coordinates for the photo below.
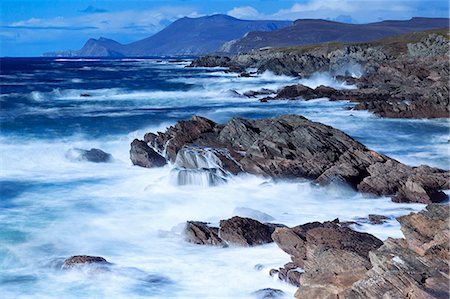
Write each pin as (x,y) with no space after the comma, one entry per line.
(93,155)
(143,155)
(79,260)
(268,293)
(292,146)
(377,219)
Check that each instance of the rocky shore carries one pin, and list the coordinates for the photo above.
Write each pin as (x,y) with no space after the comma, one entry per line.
(288,147)
(401,77)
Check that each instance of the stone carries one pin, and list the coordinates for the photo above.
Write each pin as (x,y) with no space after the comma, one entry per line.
(268,293)
(143,155)
(80,260)
(245,232)
(94,155)
(200,233)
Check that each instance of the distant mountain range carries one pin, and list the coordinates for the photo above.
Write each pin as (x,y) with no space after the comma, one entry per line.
(225,34)
(185,36)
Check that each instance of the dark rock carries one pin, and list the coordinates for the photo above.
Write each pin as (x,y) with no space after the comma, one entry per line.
(93,155)
(253,93)
(291,146)
(79,260)
(210,61)
(377,219)
(84,95)
(268,293)
(200,233)
(245,231)
(143,155)
(244,75)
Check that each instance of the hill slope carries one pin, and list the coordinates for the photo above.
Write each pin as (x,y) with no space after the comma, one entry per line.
(308,31)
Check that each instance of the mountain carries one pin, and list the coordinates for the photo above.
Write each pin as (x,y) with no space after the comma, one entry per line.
(309,31)
(185,36)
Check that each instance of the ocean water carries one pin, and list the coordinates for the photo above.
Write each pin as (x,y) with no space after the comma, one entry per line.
(53,206)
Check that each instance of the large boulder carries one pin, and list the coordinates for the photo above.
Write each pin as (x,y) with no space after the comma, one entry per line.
(143,155)
(292,146)
(245,231)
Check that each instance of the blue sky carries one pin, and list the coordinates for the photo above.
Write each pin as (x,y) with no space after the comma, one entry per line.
(31,27)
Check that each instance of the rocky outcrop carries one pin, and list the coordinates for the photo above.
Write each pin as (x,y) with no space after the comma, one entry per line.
(414,267)
(143,155)
(237,231)
(401,77)
(80,260)
(332,257)
(338,262)
(291,146)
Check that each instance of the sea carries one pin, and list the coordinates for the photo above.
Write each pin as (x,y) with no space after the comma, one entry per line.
(54,205)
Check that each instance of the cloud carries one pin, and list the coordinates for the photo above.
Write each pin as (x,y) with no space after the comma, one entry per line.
(243,12)
(362,11)
(92,9)
(108,23)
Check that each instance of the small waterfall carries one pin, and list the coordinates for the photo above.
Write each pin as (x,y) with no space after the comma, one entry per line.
(198,166)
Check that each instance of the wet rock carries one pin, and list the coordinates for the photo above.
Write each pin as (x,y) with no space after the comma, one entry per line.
(85,95)
(93,155)
(262,91)
(210,61)
(143,155)
(377,219)
(268,293)
(245,75)
(414,267)
(79,260)
(200,233)
(291,146)
(245,231)
(332,257)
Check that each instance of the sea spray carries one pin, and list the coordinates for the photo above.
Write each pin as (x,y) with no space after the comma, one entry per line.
(199,166)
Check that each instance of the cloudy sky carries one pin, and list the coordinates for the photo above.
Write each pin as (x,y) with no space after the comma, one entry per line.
(31,27)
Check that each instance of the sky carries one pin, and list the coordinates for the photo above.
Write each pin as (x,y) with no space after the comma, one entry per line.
(32,27)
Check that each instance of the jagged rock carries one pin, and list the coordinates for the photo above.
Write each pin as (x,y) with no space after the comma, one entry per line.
(414,267)
(245,231)
(93,155)
(200,233)
(332,256)
(143,155)
(291,146)
(268,293)
(211,61)
(79,260)
(403,77)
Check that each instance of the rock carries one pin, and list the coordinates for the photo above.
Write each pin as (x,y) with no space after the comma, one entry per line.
(291,146)
(262,91)
(210,61)
(93,155)
(332,256)
(402,77)
(245,232)
(85,95)
(414,267)
(245,75)
(268,293)
(143,155)
(79,260)
(377,219)
(200,233)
